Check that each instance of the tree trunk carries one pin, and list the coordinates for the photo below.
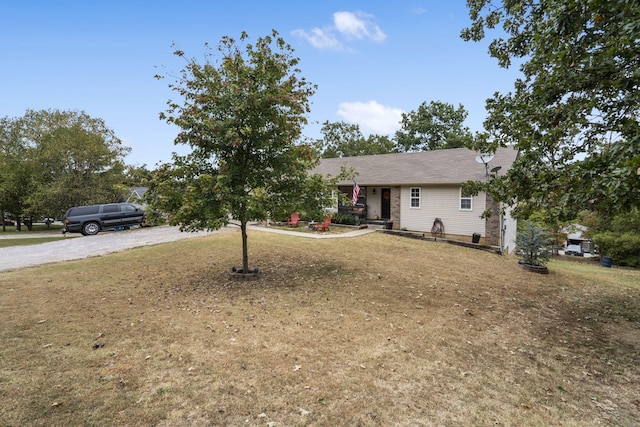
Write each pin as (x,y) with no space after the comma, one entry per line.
(245,249)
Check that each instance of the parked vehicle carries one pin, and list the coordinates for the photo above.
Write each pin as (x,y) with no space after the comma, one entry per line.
(575,250)
(90,220)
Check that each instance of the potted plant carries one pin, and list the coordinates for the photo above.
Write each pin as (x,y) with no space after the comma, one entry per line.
(533,247)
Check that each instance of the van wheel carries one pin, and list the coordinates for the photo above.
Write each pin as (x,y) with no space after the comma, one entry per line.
(90,228)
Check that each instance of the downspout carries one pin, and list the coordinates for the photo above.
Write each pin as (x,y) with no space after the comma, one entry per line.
(502,231)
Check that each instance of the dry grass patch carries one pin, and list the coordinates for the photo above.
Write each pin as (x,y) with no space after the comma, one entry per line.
(373,331)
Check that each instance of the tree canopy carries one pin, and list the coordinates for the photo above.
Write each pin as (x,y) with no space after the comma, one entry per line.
(433,126)
(52,160)
(573,115)
(15,170)
(342,139)
(242,112)
(80,159)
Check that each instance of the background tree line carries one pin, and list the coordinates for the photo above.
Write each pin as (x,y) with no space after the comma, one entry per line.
(432,126)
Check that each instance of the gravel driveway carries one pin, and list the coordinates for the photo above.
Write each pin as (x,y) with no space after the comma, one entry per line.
(70,248)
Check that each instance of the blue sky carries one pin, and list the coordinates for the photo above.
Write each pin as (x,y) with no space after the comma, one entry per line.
(372,60)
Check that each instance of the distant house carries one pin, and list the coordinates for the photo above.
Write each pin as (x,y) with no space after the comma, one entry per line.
(136,195)
(575,236)
(419,191)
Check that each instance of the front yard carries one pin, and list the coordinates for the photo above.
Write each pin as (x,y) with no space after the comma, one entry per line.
(373,331)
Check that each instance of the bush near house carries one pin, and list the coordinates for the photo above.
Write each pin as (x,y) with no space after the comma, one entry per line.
(346,219)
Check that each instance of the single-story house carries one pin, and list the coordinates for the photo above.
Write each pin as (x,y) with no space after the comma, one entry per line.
(422,192)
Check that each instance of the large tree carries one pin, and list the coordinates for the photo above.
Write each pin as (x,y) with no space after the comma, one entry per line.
(433,126)
(79,160)
(342,139)
(573,115)
(51,160)
(242,112)
(16,172)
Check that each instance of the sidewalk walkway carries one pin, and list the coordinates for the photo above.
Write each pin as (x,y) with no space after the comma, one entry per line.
(316,235)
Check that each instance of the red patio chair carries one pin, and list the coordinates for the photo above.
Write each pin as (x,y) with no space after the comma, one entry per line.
(324,225)
(293,221)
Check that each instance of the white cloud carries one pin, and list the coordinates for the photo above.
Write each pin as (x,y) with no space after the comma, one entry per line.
(320,38)
(371,116)
(358,25)
(349,25)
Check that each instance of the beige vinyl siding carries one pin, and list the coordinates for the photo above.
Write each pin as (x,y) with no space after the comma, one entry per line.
(441,202)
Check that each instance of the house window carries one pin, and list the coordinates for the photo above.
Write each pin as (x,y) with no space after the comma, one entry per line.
(415,197)
(465,201)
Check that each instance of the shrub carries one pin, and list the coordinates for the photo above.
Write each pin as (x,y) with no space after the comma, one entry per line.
(153,218)
(347,219)
(624,248)
(617,236)
(533,244)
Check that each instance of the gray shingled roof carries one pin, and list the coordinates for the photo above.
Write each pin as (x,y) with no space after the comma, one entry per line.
(451,166)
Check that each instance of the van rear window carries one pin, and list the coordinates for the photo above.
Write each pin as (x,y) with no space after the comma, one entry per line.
(83,210)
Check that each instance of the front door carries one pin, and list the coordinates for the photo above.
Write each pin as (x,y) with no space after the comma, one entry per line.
(385,204)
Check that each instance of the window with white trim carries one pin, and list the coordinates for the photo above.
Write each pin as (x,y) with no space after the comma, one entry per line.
(415,197)
(466,201)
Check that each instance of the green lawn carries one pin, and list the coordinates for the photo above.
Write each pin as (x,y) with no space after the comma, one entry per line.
(39,233)
(37,228)
(5,243)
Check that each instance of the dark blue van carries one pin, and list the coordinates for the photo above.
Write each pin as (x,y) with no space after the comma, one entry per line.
(90,220)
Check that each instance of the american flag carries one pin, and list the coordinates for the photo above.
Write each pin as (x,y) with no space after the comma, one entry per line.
(356,192)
